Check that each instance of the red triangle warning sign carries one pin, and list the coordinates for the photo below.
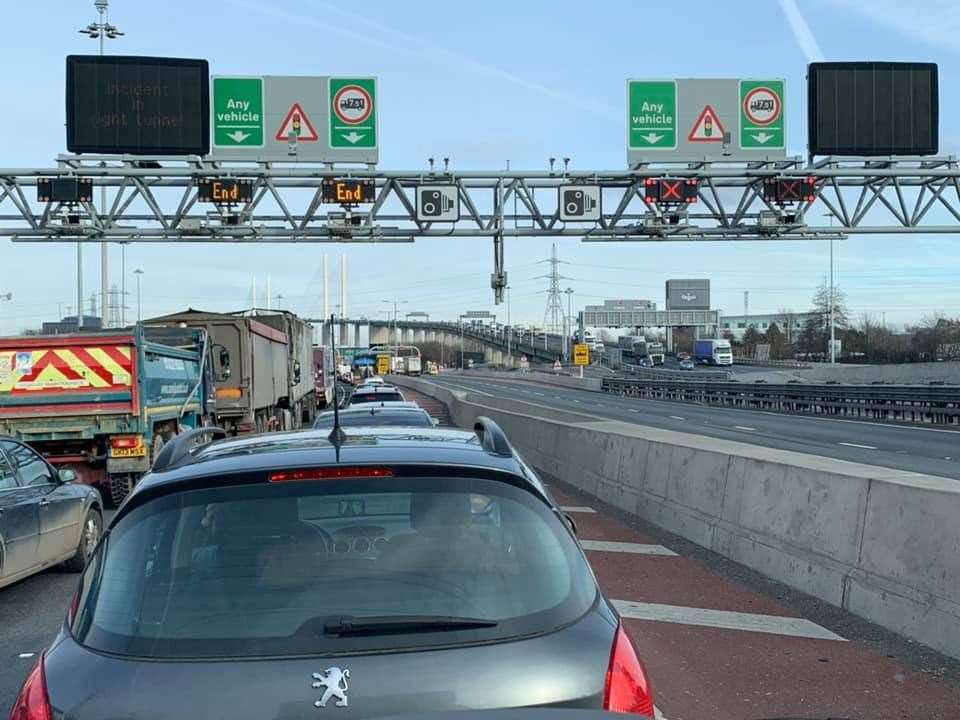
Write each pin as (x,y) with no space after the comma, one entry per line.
(707,127)
(298,124)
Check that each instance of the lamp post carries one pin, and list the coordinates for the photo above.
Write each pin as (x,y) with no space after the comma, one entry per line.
(138,272)
(396,314)
(100,30)
(509,329)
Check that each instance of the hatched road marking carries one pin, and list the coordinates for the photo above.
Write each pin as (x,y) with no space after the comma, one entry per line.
(577,508)
(863,447)
(626,547)
(726,619)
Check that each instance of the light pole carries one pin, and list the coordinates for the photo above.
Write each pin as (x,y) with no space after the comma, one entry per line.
(100,30)
(138,272)
(509,329)
(396,314)
(566,323)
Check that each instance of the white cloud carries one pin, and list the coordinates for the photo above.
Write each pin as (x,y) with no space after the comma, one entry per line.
(801,31)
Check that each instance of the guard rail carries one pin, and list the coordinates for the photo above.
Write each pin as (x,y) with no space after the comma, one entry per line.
(939,405)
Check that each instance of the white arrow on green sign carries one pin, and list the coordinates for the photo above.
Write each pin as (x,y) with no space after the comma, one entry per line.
(237,112)
(761,115)
(652,114)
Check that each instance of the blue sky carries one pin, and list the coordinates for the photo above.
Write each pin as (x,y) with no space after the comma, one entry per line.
(484,83)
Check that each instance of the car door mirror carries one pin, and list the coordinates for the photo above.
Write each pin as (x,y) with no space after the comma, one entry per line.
(435,421)
(67,475)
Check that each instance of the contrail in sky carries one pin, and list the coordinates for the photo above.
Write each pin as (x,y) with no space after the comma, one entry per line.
(801,31)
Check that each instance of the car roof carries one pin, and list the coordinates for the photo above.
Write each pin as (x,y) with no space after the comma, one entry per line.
(376,388)
(312,448)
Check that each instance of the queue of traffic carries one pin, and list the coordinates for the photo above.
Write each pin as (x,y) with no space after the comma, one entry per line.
(339,566)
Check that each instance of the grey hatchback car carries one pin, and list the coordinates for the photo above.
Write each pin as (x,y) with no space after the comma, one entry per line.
(45,518)
(400,570)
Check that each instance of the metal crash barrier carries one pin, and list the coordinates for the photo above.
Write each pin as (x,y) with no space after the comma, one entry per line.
(932,404)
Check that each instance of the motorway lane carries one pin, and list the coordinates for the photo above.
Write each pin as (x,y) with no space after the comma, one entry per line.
(722,643)
(919,449)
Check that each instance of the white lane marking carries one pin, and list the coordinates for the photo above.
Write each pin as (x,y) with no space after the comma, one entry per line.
(24,656)
(577,508)
(575,400)
(626,547)
(657,715)
(632,410)
(865,447)
(948,458)
(744,427)
(540,394)
(676,417)
(726,619)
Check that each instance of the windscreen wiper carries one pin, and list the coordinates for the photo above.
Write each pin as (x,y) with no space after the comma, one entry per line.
(389,624)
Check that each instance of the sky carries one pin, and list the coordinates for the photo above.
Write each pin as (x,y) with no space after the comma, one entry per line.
(483,84)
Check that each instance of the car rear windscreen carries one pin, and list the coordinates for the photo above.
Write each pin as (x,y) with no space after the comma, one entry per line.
(262,569)
(379,419)
(358,398)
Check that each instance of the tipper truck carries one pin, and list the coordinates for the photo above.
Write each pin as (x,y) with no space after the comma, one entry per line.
(104,403)
(301,398)
(251,360)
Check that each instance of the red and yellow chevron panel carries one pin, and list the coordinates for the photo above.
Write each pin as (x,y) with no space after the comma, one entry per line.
(66,369)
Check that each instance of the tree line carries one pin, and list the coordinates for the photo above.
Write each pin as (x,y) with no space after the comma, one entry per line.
(936,337)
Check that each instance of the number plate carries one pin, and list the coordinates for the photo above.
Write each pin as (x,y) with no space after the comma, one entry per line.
(128,452)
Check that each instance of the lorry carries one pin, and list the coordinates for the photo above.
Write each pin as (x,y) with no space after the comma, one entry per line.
(251,364)
(714,351)
(655,352)
(301,398)
(324,375)
(103,404)
(638,348)
(412,365)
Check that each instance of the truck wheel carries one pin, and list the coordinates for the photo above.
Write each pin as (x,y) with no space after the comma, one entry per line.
(120,487)
(89,536)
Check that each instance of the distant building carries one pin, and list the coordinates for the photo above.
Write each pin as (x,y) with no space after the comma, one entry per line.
(622,306)
(790,324)
(69,325)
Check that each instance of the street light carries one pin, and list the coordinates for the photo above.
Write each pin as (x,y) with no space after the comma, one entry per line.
(566,324)
(509,329)
(396,314)
(138,272)
(100,30)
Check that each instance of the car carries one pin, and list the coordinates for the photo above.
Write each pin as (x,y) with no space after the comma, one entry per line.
(288,574)
(375,393)
(683,356)
(686,364)
(374,415)
(46,518)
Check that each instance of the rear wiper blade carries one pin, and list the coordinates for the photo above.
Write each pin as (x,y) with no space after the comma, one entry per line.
(387,624)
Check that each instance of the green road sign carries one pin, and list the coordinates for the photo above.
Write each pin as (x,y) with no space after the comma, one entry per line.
(652,119)
(237,112)
(353,113)
(761,114)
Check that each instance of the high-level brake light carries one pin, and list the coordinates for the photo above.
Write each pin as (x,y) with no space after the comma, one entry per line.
(665,191)
(33,703)
(330,473)
(627,688)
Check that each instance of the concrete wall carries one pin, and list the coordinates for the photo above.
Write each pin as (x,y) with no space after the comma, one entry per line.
(901,374)
(882,543)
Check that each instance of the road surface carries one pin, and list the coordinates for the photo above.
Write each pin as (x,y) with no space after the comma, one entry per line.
(926,450)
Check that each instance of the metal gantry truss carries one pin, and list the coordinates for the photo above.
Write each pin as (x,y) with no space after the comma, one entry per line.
(156,200)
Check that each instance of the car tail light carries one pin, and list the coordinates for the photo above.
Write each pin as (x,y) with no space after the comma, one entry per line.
(628,688)
(32,702)
(330,473)
(125,442)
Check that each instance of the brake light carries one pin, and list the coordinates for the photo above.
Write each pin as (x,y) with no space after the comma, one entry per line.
(74,606)
(125,442)
(627,688)
(330,473)
(32,702)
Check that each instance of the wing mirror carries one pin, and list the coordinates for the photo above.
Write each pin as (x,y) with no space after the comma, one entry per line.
(67,475)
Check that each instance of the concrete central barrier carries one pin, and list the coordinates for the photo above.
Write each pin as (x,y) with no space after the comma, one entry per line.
(881,543)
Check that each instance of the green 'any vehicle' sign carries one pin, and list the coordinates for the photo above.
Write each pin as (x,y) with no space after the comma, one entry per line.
(761,114)
(652,119)
(238,112)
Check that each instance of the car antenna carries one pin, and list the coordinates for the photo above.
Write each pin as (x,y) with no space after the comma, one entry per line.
(336,436)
